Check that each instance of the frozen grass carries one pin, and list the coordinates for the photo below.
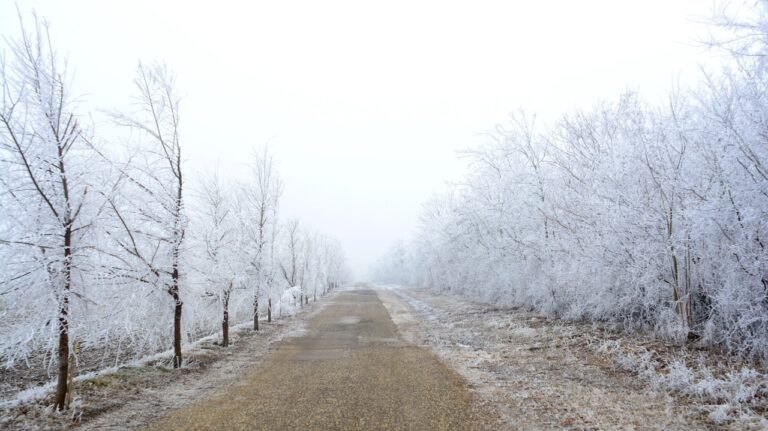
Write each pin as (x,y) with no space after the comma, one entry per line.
(30,409)
(162,359)
(538,372)
(735,394)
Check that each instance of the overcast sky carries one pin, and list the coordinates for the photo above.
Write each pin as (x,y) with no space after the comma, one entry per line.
(364,103)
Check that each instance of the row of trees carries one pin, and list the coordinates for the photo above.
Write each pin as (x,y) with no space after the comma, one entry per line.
(652,217)
(110,246)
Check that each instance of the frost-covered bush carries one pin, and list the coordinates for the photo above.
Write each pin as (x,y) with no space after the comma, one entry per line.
(289,302)
(728,394)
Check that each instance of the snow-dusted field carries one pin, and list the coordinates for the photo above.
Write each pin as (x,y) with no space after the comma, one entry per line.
(539,373)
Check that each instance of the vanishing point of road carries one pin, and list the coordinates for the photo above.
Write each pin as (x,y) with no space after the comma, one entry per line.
(350,370)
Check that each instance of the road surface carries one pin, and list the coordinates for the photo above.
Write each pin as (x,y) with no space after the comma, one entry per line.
(350,370)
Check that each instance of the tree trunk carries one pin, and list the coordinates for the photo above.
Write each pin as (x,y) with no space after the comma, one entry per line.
(70,382)
(256,314)
(177,359)
(63,353)
(269,310)
(225,322)
(179,235)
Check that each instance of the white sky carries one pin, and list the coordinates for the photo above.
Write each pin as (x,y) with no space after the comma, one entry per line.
(365,103)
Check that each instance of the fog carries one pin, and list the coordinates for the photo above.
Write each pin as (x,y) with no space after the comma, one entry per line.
(365,104)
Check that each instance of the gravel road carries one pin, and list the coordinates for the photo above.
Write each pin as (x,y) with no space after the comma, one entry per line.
(348,370)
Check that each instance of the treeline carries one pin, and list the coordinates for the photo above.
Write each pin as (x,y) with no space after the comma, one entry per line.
(112,245)
(648,216)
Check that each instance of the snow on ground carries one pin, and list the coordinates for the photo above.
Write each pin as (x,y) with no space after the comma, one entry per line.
(540,373)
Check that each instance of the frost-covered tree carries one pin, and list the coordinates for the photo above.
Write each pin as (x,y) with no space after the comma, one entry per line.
(335,262)
(290,261)
(649,216)
(392,267)
(149,215)
(220,265)
(259,202)
(95,248)
(51,185)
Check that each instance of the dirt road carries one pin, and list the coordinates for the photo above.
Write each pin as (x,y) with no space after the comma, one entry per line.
(349,370)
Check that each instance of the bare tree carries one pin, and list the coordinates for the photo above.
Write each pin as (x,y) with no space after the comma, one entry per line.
(45,189)
(150,218)
(272,275)
(260,198)
(218,236)
(290,264)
